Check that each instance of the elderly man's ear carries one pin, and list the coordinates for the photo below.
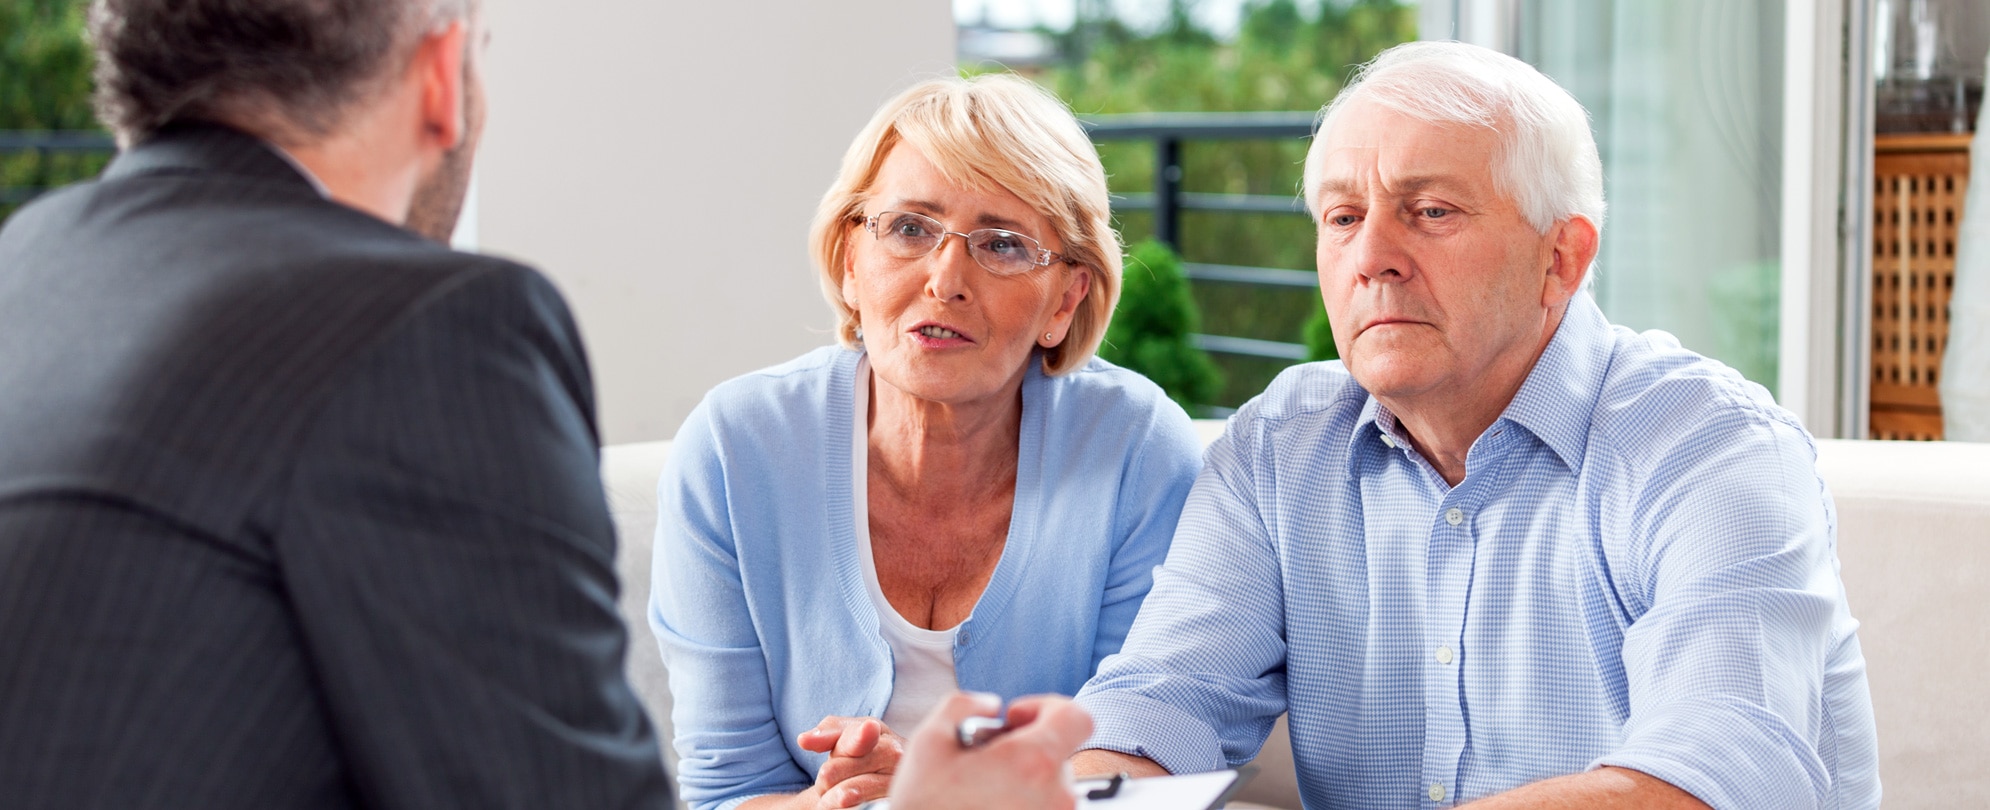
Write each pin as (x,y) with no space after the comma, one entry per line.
(1575,248)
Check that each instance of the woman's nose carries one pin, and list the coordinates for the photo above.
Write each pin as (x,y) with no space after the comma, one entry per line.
(949,269)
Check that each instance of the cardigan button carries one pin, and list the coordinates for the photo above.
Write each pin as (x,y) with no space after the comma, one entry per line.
(961,640)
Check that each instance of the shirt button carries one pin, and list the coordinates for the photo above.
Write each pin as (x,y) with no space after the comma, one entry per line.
(1436,792)
(1454,516)
(1444,654)
(1386,439)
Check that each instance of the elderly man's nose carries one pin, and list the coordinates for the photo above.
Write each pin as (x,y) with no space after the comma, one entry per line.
(1378,251)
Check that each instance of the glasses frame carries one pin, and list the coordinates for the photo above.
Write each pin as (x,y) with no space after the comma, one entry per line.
(1039,255)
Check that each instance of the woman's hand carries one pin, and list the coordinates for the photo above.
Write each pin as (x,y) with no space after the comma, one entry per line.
(863,755)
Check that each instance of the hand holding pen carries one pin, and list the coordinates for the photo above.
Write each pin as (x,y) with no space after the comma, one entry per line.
(959,758)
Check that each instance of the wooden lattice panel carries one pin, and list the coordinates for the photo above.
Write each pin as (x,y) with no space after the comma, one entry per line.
(1920,182)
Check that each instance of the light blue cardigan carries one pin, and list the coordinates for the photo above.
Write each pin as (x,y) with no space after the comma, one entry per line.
(760,607)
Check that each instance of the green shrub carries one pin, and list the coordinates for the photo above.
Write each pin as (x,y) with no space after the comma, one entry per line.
(1151,327)
(1319,335)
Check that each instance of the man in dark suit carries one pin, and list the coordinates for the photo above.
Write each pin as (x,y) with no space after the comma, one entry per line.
(297,508)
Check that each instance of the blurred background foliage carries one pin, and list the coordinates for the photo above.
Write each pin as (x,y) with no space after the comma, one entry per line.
(1150,329)
(44,85)
(1283,57)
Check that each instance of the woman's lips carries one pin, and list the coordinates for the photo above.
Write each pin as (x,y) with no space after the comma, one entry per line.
(939,335)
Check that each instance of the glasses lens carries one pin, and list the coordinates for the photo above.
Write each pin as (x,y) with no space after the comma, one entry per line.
(908,236)
(1005,252)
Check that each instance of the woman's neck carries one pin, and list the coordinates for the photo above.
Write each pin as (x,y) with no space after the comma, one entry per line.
(944,450)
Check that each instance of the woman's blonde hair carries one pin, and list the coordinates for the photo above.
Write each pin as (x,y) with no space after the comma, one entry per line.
(989,132)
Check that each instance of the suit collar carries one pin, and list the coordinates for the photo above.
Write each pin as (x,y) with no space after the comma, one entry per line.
(199,147)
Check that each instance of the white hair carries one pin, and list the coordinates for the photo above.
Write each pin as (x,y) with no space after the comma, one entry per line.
(1547,161)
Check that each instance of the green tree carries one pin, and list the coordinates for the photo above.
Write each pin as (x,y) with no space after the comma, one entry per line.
(45,84)
(1150,329)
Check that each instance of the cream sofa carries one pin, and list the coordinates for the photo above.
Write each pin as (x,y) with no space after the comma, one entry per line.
(1913,543)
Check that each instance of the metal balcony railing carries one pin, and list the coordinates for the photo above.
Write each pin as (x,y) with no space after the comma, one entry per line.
(1168,131)
(12,142)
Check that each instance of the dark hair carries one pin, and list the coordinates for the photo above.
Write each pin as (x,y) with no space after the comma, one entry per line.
(283,68)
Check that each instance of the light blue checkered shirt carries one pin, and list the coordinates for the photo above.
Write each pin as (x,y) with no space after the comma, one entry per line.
(1638,570)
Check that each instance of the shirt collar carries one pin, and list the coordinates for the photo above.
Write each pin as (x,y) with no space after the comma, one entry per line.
(1558,400)
(1555,403)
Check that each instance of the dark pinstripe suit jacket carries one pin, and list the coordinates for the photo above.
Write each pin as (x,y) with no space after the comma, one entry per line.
(297,510)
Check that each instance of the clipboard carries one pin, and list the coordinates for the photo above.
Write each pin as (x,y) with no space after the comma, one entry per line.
(1195,791)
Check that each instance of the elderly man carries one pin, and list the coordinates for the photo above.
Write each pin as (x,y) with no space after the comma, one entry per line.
(1504,553)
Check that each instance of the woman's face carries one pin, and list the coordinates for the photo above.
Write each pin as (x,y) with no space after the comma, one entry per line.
(941,327)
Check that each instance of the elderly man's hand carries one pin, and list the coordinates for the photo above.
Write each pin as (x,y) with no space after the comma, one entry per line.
(863,755)
(1023,768)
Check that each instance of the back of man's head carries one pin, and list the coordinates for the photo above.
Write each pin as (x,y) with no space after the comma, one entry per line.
(286,70)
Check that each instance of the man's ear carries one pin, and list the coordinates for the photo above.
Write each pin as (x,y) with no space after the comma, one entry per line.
(438,66)
(1576,242)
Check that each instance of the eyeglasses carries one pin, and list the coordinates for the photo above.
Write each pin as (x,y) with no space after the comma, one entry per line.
(1004,253)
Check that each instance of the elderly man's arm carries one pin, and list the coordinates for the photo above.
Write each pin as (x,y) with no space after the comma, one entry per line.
(1745,684)
(1165,703)
(1600,789)
(1100,762)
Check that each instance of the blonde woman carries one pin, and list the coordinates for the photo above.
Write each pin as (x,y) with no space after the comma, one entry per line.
(959,496)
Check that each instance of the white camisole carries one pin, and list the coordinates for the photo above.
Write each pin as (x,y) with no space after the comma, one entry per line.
(922,660)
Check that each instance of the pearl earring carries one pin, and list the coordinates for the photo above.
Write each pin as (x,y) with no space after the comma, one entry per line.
(1047,338)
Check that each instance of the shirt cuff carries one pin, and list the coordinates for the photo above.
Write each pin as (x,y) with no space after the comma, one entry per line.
(1145,727)
(1725,754)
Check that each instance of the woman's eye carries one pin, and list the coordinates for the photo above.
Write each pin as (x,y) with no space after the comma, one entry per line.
(1434,212)
(908,227)
(1003,245)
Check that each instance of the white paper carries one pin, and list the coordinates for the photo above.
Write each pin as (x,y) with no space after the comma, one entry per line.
(1195,791)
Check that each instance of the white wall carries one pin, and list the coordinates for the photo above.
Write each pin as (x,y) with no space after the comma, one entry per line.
(661,162)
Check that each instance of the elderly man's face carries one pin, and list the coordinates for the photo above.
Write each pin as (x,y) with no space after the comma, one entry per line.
(1434,282)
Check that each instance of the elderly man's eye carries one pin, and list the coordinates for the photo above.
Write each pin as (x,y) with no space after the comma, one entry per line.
(1434,212)
(1343,220)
